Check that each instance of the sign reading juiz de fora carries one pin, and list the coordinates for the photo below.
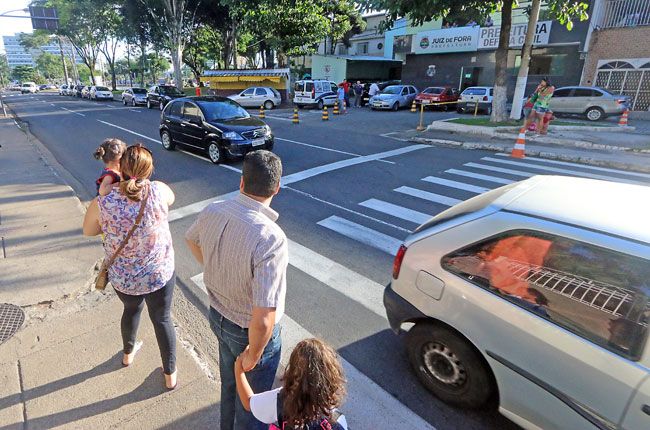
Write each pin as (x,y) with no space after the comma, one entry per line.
(464,39)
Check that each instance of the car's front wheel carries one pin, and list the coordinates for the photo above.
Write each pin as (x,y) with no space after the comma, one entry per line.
(449,366)
(133,102)
(148,104)
(166,140)
(395,106)
(216,153)
(594,114)
(268,105)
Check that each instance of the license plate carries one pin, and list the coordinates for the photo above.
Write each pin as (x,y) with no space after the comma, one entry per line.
(377,104)
(471,104)
(258,142)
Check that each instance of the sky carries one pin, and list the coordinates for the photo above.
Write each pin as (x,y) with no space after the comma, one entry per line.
(10,26)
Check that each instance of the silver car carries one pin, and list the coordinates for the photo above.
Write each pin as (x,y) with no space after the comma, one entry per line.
(134,96)
(258,96)
(394,97)
(537,295)
(592,102)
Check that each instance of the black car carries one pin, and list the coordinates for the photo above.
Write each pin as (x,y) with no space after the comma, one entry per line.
(216,125)
(78,89)
(160,95)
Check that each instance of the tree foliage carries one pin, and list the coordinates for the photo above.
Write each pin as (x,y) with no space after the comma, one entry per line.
(4,70)
(49,66)
(23,73)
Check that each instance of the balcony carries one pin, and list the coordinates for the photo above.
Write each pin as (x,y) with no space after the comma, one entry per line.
(625,13)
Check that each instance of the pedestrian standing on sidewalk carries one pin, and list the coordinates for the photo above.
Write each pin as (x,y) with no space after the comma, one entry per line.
(244,254)
(358,93)
(544,94)
(313,387)
(143,271)
(110,152)
(340,94)
(346,87)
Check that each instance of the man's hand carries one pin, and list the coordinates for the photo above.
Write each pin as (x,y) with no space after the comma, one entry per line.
(248,361)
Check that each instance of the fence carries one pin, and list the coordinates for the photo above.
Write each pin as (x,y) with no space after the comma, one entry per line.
(625,13)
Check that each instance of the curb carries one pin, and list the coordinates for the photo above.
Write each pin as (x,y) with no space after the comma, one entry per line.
(541,154)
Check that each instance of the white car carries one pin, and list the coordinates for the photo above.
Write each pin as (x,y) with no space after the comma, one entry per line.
(100,93)
(471,96)
(63,89)
(29,88)
(536,295)
(319,93)
(258,96)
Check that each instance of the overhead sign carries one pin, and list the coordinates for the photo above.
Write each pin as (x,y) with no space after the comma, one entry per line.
(44,18)
(489,36)
(458,39)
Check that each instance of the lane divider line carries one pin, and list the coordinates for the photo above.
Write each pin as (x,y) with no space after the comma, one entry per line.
(71,111)
(130,131)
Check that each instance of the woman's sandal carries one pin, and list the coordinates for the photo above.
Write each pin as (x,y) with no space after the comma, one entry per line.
(170,380)
(127,360)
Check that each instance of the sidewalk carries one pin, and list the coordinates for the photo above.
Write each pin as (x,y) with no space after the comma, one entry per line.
(63,367)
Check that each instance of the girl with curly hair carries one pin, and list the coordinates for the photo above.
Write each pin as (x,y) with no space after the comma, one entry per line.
(110,152)
(313,388)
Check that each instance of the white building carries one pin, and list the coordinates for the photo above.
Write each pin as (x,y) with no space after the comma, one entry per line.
(17,55)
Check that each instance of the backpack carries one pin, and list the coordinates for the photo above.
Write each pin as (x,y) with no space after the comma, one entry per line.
(321,424)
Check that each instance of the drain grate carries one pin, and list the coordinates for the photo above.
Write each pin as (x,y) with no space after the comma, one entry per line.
(11,319)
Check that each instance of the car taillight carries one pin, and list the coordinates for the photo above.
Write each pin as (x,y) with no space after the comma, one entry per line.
(313,93)
(485,98)
(397,264)
(621,101)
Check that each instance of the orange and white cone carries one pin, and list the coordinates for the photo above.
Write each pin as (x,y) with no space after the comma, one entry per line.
(623,121)
(520,145)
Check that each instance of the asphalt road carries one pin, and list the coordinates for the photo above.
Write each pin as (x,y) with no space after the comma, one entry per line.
(350,193)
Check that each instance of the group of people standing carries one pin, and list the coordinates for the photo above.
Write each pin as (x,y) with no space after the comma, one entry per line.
(343,93)
(244,254)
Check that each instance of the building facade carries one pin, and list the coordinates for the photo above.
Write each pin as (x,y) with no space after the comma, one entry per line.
(17,55)
(618,50)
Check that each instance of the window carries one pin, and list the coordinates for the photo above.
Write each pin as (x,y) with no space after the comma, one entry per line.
(275,92)
(309,87)
(491,92)
(175,109)
(362,48)
(434,90)
(380,46)
(260,91)
(405,91)
(298,86)
(474,91)
(248,92)
(582,92)
(563,92)
(191,110)
(139,91)
(223,110)
(598,294)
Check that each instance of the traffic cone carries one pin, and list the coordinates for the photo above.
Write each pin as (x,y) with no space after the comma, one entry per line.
(326,115)
(197,91)
(336,108)
(262,115)
(295,119)
(414,108)
(520,145)
(345,107)
(623,121)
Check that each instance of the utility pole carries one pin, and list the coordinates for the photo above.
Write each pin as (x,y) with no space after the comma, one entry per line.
(65,66)
(522,77)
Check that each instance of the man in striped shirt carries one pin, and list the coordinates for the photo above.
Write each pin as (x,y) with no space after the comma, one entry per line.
(245,258)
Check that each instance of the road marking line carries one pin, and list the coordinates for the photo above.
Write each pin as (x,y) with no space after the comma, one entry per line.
(71,111)
(425,195)
(487,178)
(582,166)
(197,207)
(136,110)
(388,136)
(366,401)
(52,104)
(226,166)
(132,132)
(194,155)
(396,211)
(455,184)
(563,171)
(346,209)
(500,170)
(328,149)
(315,171)
(360,233)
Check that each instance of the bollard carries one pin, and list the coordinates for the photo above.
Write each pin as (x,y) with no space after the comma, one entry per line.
(345,107)
(326,115)
(476,108)
(335,111)
(262,115)
(421,126)
(414,107)
(197,91)
(295,119)
(623,121)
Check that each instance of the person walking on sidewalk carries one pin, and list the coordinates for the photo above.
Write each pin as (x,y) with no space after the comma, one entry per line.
(144,269)
(358,93)
(245,256)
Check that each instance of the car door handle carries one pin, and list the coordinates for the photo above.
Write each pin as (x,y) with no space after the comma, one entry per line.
(182,125)
(646,409)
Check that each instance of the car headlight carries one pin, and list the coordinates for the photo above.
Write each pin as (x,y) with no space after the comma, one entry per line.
(231,135)
(267,130)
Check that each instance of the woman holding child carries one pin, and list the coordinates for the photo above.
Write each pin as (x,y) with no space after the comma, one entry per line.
(142,268)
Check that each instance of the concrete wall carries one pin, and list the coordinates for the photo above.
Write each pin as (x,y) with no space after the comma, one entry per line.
(613,44)
(328,67)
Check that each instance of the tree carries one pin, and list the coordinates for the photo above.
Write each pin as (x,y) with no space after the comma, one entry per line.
(4,70)
(110,30)
(49,65)
(24,73)
(420,11)
(345,22)
(205,44)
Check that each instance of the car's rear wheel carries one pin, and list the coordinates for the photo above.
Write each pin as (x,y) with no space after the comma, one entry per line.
(449,366)
(300,106)
(123,101)
(459,110)
(166,140)
(594,114)
(268,105)
(395,106)
(148,104)
(133,102)
(321,105)
(216,153)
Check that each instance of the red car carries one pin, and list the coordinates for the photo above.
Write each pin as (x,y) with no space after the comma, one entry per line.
(438,94)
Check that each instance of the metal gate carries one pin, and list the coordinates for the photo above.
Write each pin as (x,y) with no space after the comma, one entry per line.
(621,77)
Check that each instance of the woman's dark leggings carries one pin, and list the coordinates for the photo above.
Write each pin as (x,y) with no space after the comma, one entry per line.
(159,305)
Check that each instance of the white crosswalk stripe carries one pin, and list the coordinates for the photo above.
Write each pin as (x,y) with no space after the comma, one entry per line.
(425,195)
(455,184)
(499,169)
(487,178)
(396,211)
(361,234)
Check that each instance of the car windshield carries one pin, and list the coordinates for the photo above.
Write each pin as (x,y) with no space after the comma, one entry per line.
(433,90)
(139,91)
(171,91)
(474,92)
(101,89)
(222,110)
(393,89)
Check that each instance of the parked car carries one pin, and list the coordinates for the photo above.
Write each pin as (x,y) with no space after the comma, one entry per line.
(438,95)
(28,88)
(160,95)
(63,89)
(592,102)
(319,93)
(536,298)
(258,96)
(134,96)
(42,87)
(85,92)
(217,125)
(51,87)
(365,97)
(100,93)
(473,95)
(71,90)
(394,97)
(78,89)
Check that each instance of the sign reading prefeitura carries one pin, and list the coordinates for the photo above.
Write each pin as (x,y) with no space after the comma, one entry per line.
(463,39)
